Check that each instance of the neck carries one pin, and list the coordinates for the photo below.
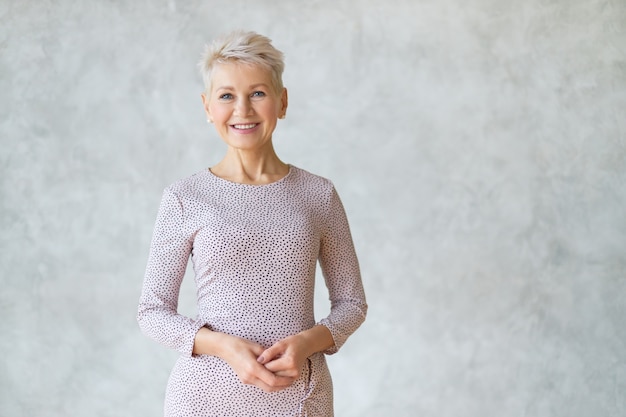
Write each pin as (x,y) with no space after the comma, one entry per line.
(251,167)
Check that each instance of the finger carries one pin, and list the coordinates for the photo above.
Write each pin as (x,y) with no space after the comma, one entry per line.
(284,366)
(277,365)
(257,350)
(273,388)
(273,380)
(260,372)
(289,374)
(270,354)
(265,387)
(268,388)
(257,375)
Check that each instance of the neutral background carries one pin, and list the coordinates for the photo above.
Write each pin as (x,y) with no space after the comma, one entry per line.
(479,147)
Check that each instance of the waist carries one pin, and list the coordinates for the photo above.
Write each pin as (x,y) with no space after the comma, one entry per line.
(264,330)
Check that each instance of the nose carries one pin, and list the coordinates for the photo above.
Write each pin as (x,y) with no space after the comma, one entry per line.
(243,107)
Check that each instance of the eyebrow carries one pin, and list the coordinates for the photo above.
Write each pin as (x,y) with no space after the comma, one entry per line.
(252,87)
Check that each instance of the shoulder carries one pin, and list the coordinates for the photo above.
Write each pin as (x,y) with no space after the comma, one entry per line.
(312,181)
(188,187)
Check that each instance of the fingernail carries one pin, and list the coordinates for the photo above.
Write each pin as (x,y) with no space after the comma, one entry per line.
(261,359)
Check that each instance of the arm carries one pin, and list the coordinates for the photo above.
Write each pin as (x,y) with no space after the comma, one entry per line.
(348,305)
(342,275)
(169,252)
(157,314)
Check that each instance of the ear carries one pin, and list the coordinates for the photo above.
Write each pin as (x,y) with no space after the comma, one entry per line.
(284,102)
(205,104)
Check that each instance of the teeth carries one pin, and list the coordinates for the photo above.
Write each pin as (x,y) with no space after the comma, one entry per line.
(249,126)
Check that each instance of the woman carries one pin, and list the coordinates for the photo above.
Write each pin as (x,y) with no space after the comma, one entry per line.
(255,228)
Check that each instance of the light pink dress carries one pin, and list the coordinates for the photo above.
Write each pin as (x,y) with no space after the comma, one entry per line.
(254,250)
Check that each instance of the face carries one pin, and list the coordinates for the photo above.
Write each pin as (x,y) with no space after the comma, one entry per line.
(244,105)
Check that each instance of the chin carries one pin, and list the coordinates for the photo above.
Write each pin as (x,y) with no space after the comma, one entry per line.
(246,143)
(243,146)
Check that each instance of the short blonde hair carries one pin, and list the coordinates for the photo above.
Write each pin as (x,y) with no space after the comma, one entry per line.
(245,47)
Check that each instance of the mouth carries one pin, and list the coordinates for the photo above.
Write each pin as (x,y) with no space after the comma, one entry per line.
(247,126)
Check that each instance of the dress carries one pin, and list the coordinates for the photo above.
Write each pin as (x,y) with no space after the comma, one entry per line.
(254,250)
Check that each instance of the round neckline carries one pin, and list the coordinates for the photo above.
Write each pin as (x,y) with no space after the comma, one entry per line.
(283,178)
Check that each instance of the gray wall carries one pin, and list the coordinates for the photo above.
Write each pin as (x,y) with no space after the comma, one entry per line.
(479,147)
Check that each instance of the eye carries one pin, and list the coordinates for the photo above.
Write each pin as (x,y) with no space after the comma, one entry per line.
(258,94)
(226,96)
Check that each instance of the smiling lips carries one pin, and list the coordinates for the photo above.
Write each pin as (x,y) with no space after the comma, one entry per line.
(246,126)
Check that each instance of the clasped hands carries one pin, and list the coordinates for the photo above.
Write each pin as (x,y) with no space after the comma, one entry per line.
(271,369)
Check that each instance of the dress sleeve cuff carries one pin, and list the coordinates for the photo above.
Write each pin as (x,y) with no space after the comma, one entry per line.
(335,347)
(187,349)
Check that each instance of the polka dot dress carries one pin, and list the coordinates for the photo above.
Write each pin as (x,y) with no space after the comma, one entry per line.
(254,250)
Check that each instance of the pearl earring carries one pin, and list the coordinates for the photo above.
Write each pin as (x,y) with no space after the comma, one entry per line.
(209,121)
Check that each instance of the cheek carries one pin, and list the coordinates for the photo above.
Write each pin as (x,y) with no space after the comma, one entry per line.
(218,112)
(270,109)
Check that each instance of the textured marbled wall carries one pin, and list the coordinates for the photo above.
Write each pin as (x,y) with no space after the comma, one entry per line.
(479,147)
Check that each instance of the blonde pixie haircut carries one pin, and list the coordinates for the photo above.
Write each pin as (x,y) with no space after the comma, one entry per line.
(243,47)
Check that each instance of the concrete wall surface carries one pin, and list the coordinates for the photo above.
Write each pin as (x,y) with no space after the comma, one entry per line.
(479,147)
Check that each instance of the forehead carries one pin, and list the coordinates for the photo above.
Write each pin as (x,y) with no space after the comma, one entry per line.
(239,75)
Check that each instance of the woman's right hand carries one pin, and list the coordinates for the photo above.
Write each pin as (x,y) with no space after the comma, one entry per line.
(241,355)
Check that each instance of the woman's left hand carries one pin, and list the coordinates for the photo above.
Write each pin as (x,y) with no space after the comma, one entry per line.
(286,357)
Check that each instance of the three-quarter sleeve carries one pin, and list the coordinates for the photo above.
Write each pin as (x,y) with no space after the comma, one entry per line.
(169,253)
(342,275)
